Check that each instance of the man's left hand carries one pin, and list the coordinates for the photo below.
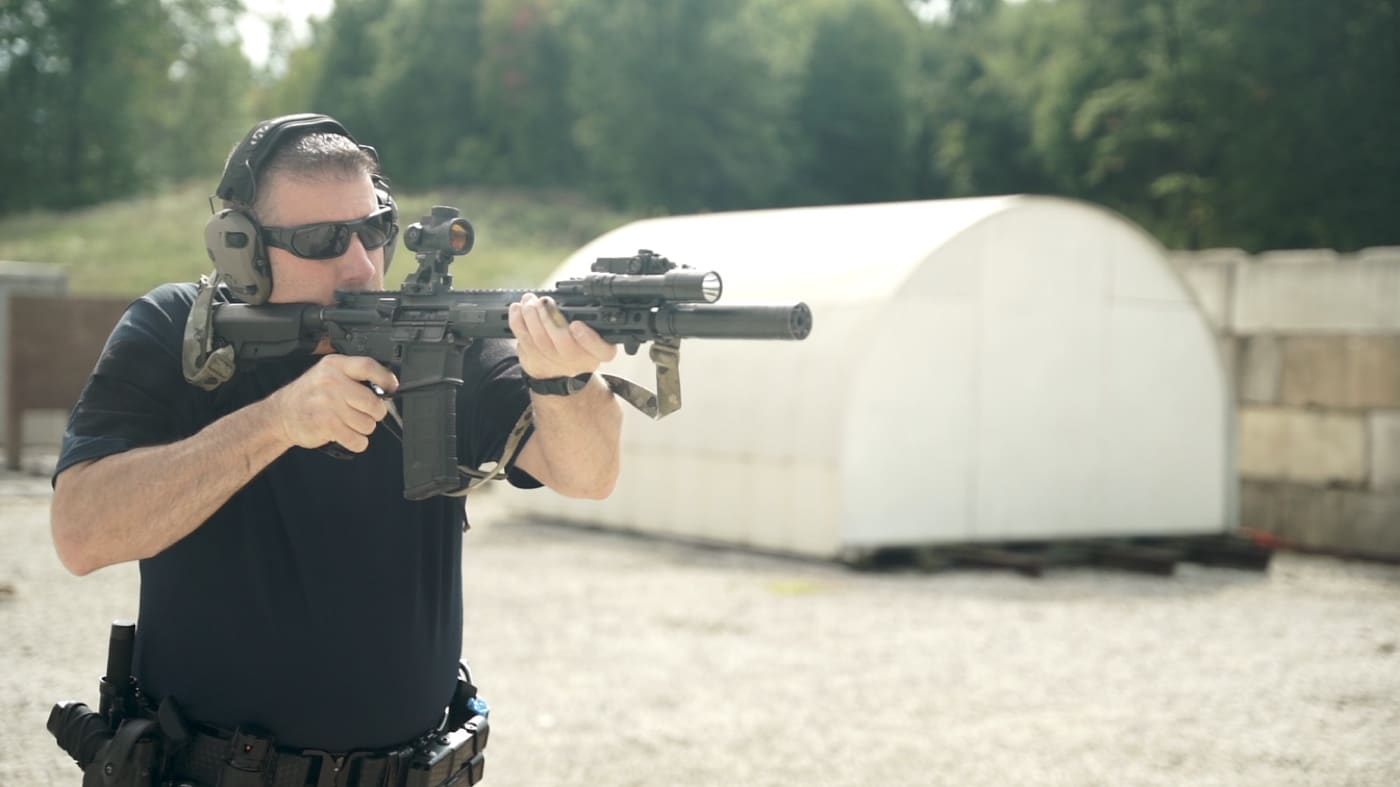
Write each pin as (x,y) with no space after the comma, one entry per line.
(549,345)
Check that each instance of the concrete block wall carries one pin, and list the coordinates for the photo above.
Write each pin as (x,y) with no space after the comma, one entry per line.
(1312,339)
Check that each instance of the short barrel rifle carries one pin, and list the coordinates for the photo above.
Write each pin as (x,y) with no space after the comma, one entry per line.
(425,327)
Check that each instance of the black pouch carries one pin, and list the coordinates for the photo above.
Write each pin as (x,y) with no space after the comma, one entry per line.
(249,758)
(454,757)
(128,759)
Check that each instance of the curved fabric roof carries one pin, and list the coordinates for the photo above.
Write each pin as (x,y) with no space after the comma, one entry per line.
(979,369)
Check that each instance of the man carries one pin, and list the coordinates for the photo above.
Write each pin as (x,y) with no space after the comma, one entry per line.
(284,588)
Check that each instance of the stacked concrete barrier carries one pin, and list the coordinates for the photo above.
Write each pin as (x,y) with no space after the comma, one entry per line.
(1314,341)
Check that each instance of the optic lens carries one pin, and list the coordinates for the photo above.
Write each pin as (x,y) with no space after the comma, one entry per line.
(460,236)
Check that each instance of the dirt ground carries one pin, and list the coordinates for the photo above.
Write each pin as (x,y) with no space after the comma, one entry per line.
(613,660)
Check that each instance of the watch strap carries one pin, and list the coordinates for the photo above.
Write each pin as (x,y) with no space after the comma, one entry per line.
(558,386)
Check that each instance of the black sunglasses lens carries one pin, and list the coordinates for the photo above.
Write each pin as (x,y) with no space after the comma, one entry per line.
(331,239)
(375,230)
(320,241)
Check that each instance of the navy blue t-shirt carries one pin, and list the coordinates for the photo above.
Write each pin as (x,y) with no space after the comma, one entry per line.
(317,603)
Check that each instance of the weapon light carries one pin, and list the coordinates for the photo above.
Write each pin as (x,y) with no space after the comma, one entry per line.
(676,285)
(710,287)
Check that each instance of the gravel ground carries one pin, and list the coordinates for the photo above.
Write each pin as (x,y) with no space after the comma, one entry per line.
(614,660)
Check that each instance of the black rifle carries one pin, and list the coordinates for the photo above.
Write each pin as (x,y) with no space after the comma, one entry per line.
(426,326)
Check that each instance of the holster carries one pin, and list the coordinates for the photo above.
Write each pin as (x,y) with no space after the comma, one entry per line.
(129,759)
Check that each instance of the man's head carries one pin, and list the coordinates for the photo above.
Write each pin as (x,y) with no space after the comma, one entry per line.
(305,214)
(322,225)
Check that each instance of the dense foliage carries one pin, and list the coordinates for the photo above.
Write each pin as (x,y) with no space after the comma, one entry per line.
(1257,123)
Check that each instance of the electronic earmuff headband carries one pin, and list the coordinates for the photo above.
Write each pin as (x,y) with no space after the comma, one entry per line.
(239,181)
(233,236)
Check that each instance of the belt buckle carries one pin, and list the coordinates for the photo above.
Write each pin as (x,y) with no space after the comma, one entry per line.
(335,768)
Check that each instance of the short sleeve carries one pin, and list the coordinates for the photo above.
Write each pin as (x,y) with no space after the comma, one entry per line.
(491,401)
(136,395)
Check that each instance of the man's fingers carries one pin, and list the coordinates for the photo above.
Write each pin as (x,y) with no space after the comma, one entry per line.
(333,403)
(555,314)
(532,314)
(353,442)
(515,317)
(367,402)
(592,342)
(349,428)
(364,369)
(555,325)
(362,423)
(353,372)
(550,345)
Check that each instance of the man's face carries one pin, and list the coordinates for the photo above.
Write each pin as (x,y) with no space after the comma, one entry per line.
(293,201)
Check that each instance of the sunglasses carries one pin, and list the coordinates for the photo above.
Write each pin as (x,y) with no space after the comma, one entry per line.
(328,239)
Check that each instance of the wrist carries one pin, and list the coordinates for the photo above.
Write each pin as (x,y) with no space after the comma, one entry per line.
(558,386)
(264,423)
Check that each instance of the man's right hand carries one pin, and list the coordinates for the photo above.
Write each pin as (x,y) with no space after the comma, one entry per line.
(330,403)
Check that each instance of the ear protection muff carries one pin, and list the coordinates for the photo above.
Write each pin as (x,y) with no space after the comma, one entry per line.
(385,198)
(240,261)
(232,236)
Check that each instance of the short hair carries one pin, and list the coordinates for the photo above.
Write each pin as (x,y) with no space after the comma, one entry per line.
(314,156)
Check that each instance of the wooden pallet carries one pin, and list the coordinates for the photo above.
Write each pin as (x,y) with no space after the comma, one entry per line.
(1157,556)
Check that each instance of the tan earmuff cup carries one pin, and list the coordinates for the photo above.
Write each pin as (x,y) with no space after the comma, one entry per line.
(231,238)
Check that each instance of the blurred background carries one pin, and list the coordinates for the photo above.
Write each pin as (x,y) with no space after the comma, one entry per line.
(1261,124)
(1255,141)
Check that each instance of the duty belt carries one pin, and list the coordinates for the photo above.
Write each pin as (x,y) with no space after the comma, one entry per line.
(132,742)
(245,759)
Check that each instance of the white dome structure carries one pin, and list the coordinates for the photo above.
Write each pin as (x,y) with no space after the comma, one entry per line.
(979,370)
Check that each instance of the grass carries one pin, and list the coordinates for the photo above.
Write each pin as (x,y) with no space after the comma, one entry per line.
(126,247)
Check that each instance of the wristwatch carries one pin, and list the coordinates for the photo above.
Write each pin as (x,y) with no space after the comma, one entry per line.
(558,386)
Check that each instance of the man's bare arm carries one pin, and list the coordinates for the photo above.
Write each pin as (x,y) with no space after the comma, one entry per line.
(575,446)
(134,504)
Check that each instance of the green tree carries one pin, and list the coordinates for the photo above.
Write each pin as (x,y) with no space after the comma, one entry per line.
(1146,128)
(855,105)
(974,135)
(340,68)
(521,94)
(423,92)
(105,98)
(75,70)
(292,87)
(1311,99)
(205,95)
(1252,124)
(676,103)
